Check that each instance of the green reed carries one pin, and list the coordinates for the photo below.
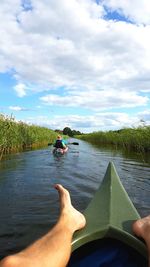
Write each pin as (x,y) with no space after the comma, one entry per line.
(136,139)
(15,136)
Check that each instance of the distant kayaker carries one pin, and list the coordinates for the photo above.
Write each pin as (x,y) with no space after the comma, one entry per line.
(60,144)
(54,248)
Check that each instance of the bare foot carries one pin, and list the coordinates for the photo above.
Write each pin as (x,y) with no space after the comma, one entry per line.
(142,229)
(75,219)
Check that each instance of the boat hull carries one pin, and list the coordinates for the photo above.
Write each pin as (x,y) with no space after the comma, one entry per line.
(60,151)
(110,215)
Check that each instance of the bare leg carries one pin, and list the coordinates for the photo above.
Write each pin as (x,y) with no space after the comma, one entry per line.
(142,229)
(53,249)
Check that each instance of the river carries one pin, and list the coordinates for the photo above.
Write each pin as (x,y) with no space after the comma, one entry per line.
(29,204)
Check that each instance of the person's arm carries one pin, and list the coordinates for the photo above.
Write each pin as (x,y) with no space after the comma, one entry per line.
(64,146)
(54,248)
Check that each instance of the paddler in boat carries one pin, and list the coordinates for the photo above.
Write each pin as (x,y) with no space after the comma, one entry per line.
(54,248)
(61,144)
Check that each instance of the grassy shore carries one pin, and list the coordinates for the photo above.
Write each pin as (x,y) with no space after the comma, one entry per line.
(16,136)
(129,138)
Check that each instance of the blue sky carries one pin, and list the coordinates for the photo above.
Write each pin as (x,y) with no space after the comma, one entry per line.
(79,63)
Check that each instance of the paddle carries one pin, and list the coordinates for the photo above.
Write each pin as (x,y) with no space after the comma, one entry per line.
(73,143)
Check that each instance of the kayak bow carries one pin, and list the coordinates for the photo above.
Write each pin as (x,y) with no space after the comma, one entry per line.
(109,215)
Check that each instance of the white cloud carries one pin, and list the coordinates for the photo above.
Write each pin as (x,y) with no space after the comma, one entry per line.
(17,108)
(97,100)
(20,89)
(99,121)
(144,116)
(70,44)
(136,10)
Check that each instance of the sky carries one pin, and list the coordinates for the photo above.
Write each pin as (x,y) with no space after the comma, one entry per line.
(83,64)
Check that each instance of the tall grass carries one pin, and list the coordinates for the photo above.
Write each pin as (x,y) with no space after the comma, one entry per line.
(16,136)
(129,138)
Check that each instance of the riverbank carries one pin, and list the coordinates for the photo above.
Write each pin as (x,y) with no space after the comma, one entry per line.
(17,136)
(134,139)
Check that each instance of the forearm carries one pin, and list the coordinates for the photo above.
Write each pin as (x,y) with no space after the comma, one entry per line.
(52,250)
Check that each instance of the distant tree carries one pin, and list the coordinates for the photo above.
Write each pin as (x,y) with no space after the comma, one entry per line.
(67,131)
(58,131)
(74,132)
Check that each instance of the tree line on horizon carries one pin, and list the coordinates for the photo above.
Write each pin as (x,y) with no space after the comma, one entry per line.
(68,131)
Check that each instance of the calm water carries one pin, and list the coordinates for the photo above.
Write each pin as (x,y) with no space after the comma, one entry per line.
(29,203)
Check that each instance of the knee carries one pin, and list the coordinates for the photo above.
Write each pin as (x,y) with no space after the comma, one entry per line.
(9,261)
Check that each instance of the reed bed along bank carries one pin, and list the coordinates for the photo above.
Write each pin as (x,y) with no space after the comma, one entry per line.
(16,136)
(129,138)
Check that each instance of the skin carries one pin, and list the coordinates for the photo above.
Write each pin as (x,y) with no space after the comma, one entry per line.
(142,229)
(53,249)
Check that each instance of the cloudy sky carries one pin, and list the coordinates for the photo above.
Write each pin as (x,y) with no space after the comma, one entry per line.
(84,64)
